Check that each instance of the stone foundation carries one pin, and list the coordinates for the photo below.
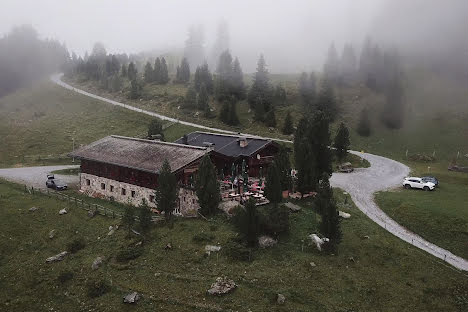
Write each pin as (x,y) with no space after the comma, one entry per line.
(95,186)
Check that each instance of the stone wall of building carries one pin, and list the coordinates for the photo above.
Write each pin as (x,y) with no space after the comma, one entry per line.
(95,186)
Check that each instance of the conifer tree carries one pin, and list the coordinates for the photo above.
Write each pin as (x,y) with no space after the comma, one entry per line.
(237,85)
(273,190)
(167,190)
(341,143)
(288,127)
(123,71)
(148,73)
(270,118)
(135,90)
(233,119)
(128,219)
(164,75)
(260,93)
(116,83)
(280,95)
(364,127)
(304,158)
(144,215)
(348,66)
(224,113)
(184,72)
(132,71)
(319,136)
(284,167)
(223,86)
(156,128)
(332,66)
(157,71)
(207,78)
(330,224)
(203,99)
(197,81)
(393,113)
(207,187)
(326,101)
(190,100)
(247,222)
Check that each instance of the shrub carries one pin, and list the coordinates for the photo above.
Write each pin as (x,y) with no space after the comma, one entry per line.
(203,237)
(128,254)
(97,288)
(65,276)
(76,245)
(237,251)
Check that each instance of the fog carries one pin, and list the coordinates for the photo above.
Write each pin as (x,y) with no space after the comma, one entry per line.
(293,35)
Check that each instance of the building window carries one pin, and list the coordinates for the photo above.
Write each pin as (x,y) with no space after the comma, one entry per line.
(88,182)
(151,198)
(124,191)
(133,193)
(111,188)
(103,186)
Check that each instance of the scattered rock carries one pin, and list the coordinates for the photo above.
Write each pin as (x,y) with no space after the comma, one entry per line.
(32,209)
(292,207)
(280,299)
(351,259)
(266,241)
(135,232)
(139,243)
(211,248)
(111,232)
(92,213)
(111,227)
(344,215)
(131,298)
(63,211)
(318,241)
(52,234)
(222,286)
(58,257)
(366,237)
(312,264)
(228,206)
(168,246)
(97,263)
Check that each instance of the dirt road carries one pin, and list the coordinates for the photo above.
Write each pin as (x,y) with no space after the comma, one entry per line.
(385,174)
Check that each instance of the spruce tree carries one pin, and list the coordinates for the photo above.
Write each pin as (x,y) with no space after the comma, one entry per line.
(190,100)
(224,113)
(157,71)
(128,218)
(260,93)
(144,214)
(247,222)
(116,83)
(330,224)
(167,191)
(197,80)
(207,78)
(270,118)
(280,95)
(203,99)
(348,66)
(319,136)
(132,71)
(326,101)
(184,73)
(156,128)
(332,65)
(207,187)
(135,90)
(304,158)
(288,127)
(364,126)
(273,189)
(341,142)
(164,74)
(237,85)
(233,119)
(148,73)
(223,85)
(393,112)
(284,167)
(123,71)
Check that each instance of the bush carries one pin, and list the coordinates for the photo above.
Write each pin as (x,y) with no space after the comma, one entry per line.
(203,237)
(65,276)
(128,254)
(76,245)
(97,288)
(237,251)
(275,220)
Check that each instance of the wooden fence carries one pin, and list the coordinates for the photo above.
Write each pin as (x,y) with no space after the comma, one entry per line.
(98,209)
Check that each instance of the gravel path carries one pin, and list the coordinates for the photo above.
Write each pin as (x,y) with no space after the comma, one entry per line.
(37,176)
(383,174)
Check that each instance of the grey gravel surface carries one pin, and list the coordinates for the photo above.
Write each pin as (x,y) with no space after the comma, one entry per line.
(37,176)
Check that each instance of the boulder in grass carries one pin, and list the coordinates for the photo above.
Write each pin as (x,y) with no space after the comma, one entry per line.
(344,215)
(318,241)
(97,263)
(52,234)
(131,298)
(211,248)
(266,241)
(222,286)
(58,257)
(63,211)
(280,299)
(32,209)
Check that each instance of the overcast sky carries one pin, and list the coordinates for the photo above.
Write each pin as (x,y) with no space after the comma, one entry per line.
(293,35)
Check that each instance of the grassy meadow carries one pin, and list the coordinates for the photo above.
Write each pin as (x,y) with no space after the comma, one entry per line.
(380,273)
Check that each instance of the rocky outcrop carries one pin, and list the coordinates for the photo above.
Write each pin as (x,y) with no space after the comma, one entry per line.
(58,257)
(222,286)
(266,241)
(132,297)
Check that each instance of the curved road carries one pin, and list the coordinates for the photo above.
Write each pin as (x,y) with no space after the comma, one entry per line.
(383,174)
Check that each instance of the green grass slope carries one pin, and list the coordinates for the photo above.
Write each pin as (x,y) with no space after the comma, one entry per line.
(385,274)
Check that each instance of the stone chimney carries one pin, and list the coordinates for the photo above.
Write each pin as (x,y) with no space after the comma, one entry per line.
(243,142)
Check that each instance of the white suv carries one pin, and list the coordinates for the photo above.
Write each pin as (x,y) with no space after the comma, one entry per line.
(418,183)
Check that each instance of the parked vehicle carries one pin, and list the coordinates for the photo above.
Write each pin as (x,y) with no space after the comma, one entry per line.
(55,184)
(431,179)
(345,167)
(418,183)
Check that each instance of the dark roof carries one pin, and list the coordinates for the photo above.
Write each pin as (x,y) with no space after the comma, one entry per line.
(145,155)
(226,144)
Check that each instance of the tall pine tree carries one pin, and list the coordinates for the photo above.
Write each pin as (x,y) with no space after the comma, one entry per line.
(167,191)
(164,75)
(148,73)
(157,70)
(273,184)
(330,224)
(288,127)
(341,143)
(207,187)
(260,93)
